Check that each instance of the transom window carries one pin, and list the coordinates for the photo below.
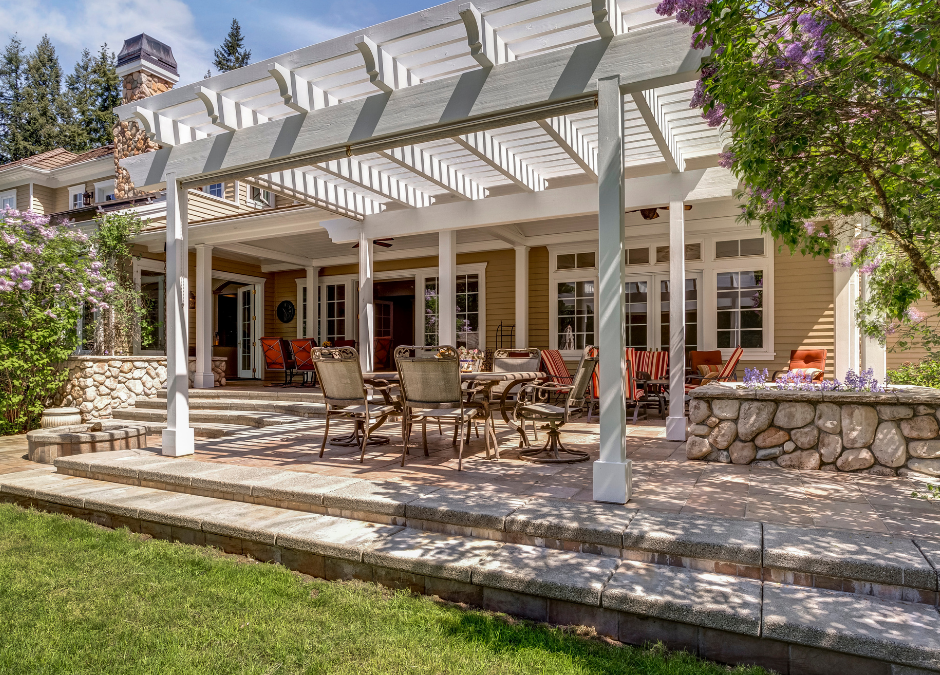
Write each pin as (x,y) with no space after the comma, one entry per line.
(739,248)
(740,309)
(576,261)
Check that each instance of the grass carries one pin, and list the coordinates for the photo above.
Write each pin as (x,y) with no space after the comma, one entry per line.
(76,598)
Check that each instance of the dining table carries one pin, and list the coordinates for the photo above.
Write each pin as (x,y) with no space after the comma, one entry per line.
(484,381)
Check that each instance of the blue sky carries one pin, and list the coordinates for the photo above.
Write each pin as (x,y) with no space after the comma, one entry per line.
(193,29)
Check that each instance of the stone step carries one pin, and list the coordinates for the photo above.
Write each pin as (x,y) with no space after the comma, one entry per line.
(297,408)
(722,617)
(892,568)
(228,417)
(307,395)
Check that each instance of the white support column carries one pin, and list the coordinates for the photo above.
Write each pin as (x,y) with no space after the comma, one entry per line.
(522,297)
(676,422)
(613,472)
(447,288)
(873,355)
(366,305)
(203,376)
(845,291)
(178,437)
(313,297)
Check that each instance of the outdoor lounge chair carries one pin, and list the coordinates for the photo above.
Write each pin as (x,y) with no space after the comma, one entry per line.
(429,378)
(529,408)
(808,361)
(724,373)
(635,396)
(302,349)
(277,356)
(346,395)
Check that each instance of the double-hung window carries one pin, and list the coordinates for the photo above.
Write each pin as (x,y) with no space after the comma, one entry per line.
(7,200)
(468,311)
(574,287)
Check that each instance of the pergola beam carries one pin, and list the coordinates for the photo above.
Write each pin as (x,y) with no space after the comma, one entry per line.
(297,93)
(227,114)
(435,171)
(654,114)
(165,131)
(548,85)
(300,185)
(486,147)
(569,139)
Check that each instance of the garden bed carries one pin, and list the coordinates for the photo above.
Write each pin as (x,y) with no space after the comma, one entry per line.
(896,432)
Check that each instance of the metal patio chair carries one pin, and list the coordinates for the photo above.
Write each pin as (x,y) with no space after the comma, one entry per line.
(555,417)
(277,356)
(346,395)
(429,378)
(303,358)
(522,360)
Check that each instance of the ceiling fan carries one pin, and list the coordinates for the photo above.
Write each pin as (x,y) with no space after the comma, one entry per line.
(653,213)
(379,242)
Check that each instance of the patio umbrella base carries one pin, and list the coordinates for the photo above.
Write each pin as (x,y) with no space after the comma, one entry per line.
(549,453)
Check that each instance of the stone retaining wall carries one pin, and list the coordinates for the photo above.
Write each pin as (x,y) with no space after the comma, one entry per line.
(96,385)
(887,434)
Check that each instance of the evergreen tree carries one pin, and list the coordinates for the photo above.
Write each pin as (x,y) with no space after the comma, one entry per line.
(46,110)
(232,54)
(80,99)
(107,87)
(12,103)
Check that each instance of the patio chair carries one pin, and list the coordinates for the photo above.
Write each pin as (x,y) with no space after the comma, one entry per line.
(653,365)
(381,351)
(429,379)
(555,417)
(635,395)
(708,374)
(277,356)
(345,394)
(521,360)
(554,366)
(810,362)
(302,349)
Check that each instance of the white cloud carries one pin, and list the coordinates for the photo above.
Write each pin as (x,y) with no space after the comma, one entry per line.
(88,24)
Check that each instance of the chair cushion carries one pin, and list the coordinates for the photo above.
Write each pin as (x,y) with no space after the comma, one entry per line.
(811,373)
(543,410)
(709,369)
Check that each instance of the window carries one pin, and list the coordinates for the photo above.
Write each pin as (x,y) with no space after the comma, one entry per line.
(8,200)
(431,311)
(335,312)
(638,256)
(104,191)
(259,198)
(468,311)
(153,330)
(576,261)
(86,329)
(637,302)
(76,196)
(692,252)
(215,190)
(736,248)
(575,325)
(691,314)
(740,309)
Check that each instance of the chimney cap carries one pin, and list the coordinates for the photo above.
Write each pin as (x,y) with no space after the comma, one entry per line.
(143,52)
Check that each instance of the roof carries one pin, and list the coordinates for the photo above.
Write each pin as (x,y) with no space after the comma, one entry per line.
(59,157)
(146,49)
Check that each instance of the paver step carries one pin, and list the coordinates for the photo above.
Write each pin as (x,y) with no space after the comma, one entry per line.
(310,395)
(894,568)
(298,408)
(229,417)
(202,429)
(727,618)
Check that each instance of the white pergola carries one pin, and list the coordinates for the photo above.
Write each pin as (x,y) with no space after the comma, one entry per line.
(462,116)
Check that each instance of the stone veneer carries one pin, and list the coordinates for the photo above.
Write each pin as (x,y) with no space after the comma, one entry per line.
(129,138)
(887,434)
(96,385)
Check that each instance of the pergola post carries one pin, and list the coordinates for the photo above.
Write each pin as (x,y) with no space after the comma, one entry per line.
(522,297)
(613,471)
(203,378)
(676,422)
(447,288)
(313,298)
(178,438)
(872,354)
(366,305)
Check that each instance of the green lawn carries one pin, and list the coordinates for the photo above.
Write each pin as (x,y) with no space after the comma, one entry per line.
(76,598)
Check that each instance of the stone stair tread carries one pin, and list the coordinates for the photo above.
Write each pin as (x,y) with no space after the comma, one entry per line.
(700,598)
(900,632)
(575,521)
(239,417)
(240,405)
(737,541)
(258,394)
(430,554)
(867,556)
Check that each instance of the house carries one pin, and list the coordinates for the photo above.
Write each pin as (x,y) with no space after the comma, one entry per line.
(440,177)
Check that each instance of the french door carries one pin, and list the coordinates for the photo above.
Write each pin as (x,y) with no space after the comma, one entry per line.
(246,332)
(646,298)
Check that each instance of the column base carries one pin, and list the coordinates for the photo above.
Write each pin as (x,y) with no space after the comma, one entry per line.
(203,380)
(676,428)
(613,481)
(179,442)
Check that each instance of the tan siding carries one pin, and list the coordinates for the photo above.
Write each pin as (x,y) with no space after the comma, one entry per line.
(538,298)
(204,207)
(500,290)
(43,199)
(60,199)
(285,288)
(22,198)
(897,358)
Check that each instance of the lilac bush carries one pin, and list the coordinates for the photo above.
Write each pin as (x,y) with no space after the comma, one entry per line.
(864,381)
(48,275)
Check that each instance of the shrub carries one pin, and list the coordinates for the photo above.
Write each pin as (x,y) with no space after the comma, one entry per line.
(925,374)
(50,275)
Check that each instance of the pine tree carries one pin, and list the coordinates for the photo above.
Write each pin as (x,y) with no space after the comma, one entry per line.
(45,105)
(107,87)
(80,99)
(12,104)
(232,54)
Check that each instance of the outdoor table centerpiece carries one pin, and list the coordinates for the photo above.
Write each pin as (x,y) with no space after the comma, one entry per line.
(471,360)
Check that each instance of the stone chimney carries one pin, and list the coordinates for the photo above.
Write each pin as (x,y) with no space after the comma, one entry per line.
(146,67)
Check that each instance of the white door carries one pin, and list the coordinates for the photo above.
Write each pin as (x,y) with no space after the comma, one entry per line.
(246,332)
(646,309)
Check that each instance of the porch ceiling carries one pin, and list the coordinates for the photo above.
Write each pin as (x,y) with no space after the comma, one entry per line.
(314,103)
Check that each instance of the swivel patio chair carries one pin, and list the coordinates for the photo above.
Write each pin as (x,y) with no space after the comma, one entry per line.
(810,362)
(346,395)
(555,417)
(523,360)
(277,356)
(303,358)
(429,378)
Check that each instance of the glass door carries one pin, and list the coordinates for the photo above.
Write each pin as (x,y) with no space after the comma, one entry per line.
(693,289)
(637,296)
(246,332)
